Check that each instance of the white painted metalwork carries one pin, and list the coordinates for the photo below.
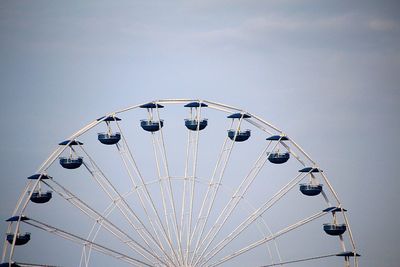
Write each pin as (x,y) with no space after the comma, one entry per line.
(177,235)
(235,199)
(80,240)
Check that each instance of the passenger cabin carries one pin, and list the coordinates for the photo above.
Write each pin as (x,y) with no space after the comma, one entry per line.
(334,229)
(238,135)
(21,239)
(311,189)
(109,138)
(194,125)
(278,158)
(41,197)
(71,162)
(151,125)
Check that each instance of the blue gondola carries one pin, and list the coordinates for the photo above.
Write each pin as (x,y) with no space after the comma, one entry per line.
(21,239)
(310,189)
(334,229)
(109,139)
(278,158)
(40,198)
(193,124)
(71,163)
(151,126)
(240,135)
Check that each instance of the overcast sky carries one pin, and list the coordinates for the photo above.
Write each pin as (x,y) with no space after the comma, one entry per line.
(326,72)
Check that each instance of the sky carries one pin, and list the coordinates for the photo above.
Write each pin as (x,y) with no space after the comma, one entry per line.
(326,72)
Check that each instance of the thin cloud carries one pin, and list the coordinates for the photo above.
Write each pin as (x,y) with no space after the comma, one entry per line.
(268,28)
(384,25)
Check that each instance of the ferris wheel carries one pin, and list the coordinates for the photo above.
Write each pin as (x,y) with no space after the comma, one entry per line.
(179,182)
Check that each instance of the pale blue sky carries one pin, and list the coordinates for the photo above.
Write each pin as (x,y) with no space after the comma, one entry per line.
(327,72)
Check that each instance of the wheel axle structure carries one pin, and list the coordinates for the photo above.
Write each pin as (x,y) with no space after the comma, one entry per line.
(179,182)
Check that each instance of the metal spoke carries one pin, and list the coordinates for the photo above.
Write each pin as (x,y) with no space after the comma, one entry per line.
(212,189)
(147,196)
(163,177)
(140,196)
(184,196)
(202,217)
(163,197)
(269,238)
(249,220)
(142,192)
(131,217)
(236,198)
(189,191)
(72,237)
(169,187)
(86,252)
(300,260)
(98,218)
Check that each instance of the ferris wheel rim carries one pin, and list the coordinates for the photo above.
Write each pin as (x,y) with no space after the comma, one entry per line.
(258,123)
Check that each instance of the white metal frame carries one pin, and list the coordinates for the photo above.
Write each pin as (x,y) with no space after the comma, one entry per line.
(173,239)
